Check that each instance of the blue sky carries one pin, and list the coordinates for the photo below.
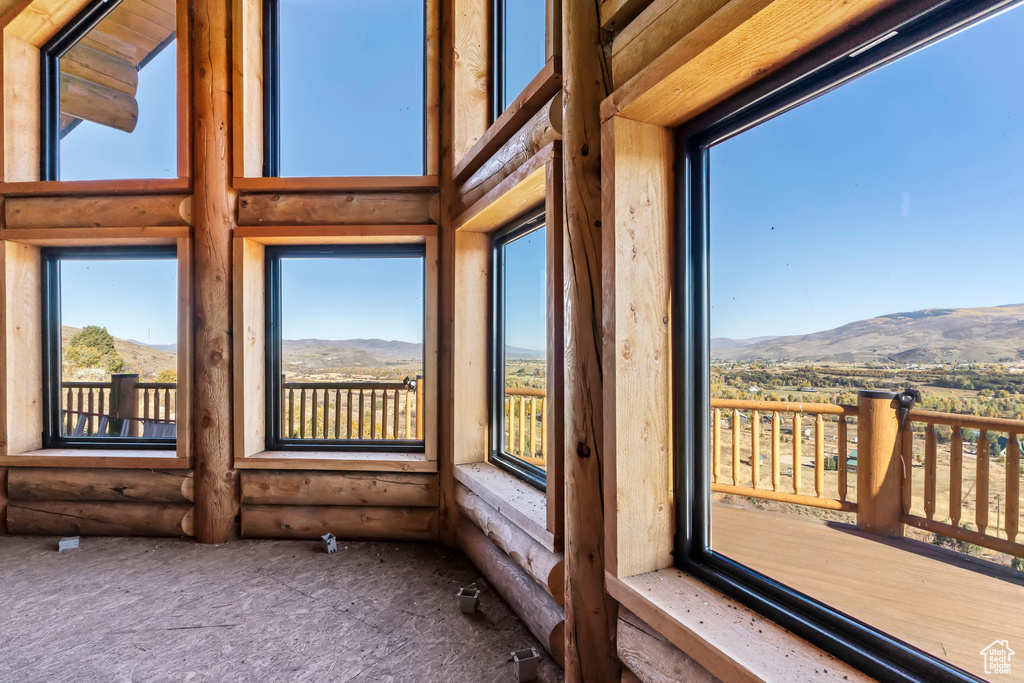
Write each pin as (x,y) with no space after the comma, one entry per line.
(352,298)
(897,192)
(524,45)
(525,298)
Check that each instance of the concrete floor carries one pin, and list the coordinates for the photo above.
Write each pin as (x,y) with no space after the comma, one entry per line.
(131,609)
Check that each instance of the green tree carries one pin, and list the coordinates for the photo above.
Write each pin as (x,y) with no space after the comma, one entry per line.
(93,347)
(95,337)
(167,376)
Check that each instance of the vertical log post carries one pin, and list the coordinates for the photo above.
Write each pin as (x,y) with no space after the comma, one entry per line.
(878,464)
(590,614)
(217,491)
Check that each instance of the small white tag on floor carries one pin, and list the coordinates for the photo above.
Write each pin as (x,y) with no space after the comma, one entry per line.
(68,543)
(330,543)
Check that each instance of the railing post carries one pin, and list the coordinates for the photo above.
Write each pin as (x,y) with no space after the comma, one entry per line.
(124,403)
(419,406)
(878,464)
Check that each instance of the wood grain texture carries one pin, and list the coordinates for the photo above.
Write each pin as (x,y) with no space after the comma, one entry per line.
(717,60)
(132,486)
(21,109)
(249,337)
(471,346)
(22,384)
(589,612)
(247,77)
(84,188)
(554,210)
(37,21)
(520,192)
(64,518)
(521,503)
(616,14)
(470,82)
(354,523)
(338,461)
(545,567)
(370,208)
(295,185)
(535,607)
(129,211)
(660,25)
(649,654)
(637,252)
(333,488)
(217,492)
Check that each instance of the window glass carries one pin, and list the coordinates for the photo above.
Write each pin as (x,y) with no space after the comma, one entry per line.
(118,96)
(351,347)
(118,330)
(352,83)
(523,347)
(864,241)
(523,41)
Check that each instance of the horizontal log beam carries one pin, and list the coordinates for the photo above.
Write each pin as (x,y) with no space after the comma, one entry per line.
(100,68)
(652,657)
(541,130)
(84,99)
(538,610)
(56,484)
(62,518)
(546,568)
(338,488)
(352,523)
(369,208)
(130,211)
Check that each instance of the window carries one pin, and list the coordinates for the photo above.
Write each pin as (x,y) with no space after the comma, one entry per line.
(344,85)
(110,349)
(519,30)
(828,261)
(345,351)
(519,369)
(109,93)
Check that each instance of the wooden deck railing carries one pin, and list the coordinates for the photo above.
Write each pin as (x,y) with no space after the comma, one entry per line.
(353,410)
(123,397)
(744,474)
(526,425)
(1003,470)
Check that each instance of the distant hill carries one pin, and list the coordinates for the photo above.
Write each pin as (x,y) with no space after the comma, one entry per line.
(727,343)
(934,335)
(171,348)
(147,361)
(317,355)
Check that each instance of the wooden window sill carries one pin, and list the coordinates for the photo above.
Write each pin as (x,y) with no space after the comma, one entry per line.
(335,460)
(100,188)
(729,640)
(97,458)
(424,183)
(523,505)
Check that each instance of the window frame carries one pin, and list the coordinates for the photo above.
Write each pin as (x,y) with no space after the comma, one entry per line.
(531,474)
(273,345)
(496,69)
(866,49)
(51,345)
(272,91)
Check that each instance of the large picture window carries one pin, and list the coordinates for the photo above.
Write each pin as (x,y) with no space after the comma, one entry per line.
(848,388)
(519,362)
(109,94)
(345,358)
(110,347)
(344,88)
(518,36)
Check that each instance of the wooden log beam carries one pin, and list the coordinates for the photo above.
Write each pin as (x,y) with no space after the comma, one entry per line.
(652,657)
(63,518)
(348,208)
(51,483)
(541,130)
(589,611)
(356,523)
(84,99)
(101,68)
(530,602)
(217,489)
(390,489)
(545,567)
(616,14)
(127,211)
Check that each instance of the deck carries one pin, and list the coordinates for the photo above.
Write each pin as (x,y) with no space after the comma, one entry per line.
(944,603)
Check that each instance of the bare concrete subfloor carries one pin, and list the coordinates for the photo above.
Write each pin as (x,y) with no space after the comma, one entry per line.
(132,609)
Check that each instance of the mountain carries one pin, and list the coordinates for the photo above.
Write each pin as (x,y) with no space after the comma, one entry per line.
(317,355)
(170,348)
(934,335)
(148,361)
(519,353)
(727,343)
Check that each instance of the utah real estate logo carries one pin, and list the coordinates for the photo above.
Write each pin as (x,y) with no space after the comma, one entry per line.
(997,657)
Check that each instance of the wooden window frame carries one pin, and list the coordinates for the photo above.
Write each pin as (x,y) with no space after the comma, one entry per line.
(51,258)
(500,239)
(273,313)
(875,45)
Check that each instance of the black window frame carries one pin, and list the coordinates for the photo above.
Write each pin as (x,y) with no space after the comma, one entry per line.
(49,100)
(496,71)
(272,90)
(51,345)
(273,346)
(531,474)
(882,40)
